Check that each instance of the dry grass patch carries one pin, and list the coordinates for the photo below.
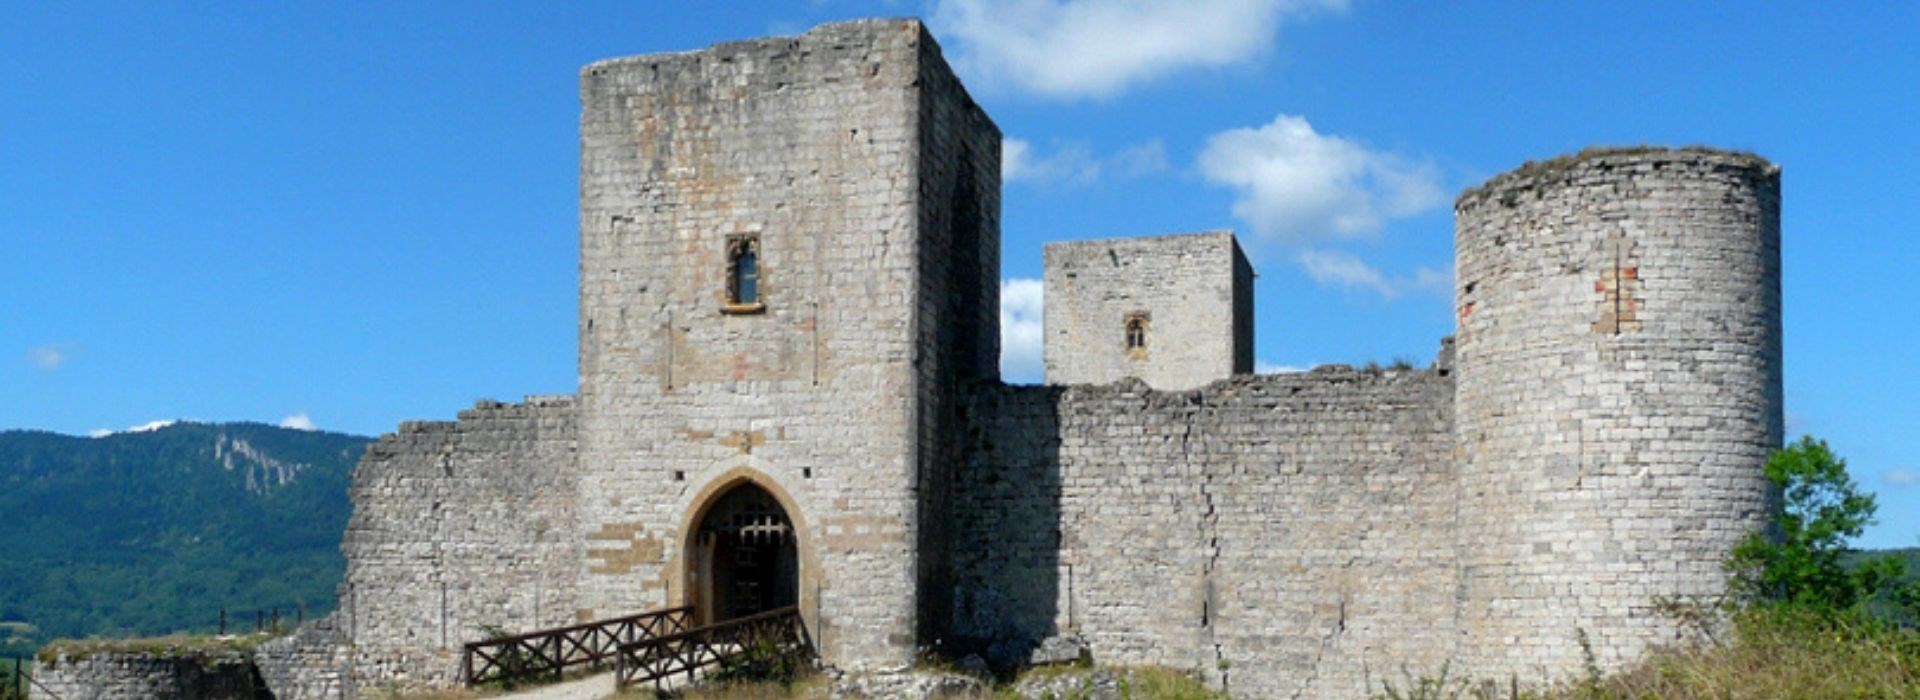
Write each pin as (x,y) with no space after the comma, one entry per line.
(1774,653)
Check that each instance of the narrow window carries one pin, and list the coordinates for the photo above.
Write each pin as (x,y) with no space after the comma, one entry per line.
(746,278)
(743,273)
(1136,334)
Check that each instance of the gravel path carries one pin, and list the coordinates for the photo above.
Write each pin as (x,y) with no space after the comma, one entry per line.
(589,688)
(596,687)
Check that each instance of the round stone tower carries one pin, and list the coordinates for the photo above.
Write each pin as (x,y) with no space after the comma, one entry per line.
(1618,391)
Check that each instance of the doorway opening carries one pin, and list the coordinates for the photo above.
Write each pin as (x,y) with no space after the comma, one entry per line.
(744,556)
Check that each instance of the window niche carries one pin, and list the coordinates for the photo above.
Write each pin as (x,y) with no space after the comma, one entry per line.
(743,275)
(1136,327)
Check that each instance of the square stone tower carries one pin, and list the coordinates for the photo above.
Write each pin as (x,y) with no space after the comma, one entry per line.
(789,263)
(1175,311)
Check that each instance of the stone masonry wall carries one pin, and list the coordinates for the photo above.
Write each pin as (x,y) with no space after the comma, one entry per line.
(1283,534)
(458,528)
(313,663)
(959,308)
(1194,292)
(831,149)
(1619,374)
(116,675)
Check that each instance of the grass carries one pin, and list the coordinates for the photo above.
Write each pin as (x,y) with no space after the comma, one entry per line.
(1782,654)
(174,645)
(1165,684)
(1773,653)
(1137,682)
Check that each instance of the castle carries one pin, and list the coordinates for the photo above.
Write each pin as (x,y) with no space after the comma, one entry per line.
(789,394)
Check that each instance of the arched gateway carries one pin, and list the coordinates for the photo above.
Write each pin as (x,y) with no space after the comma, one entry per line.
(742,555)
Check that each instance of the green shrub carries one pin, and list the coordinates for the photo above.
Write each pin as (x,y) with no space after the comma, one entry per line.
(762,660)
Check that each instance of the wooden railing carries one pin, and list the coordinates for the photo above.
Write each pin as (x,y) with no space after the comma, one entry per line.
(658,658)
(549,653)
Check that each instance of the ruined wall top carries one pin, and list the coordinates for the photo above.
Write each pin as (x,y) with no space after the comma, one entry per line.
(1534,174)
(723,50)
(1174,311)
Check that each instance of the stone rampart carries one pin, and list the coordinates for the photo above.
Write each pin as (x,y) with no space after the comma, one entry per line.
(313,663)
(205,674)
(1282,534)
(459,529)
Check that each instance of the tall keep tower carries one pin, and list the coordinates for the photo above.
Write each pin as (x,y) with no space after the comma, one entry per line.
(789,254)
(1619,369)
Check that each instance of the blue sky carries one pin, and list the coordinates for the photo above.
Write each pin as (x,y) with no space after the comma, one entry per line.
(345,215)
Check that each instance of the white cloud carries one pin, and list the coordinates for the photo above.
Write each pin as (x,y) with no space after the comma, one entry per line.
(1143,159)
(49,357)
(1072,164)
(1344,270)
(1099,48)
(1902,477)
(1265,367)
(1021,305)
(1298,185)
(298,421)
(1019,162)
(147,427)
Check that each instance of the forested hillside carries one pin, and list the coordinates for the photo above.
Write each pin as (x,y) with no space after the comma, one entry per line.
(153,532)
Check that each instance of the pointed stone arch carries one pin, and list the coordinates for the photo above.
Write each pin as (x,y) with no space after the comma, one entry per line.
(724,491)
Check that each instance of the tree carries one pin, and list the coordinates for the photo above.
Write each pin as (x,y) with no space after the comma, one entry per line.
(1799,561)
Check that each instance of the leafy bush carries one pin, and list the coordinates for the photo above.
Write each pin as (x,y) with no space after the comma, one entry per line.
(762,660)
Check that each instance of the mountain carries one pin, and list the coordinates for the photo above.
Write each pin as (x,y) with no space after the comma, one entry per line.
(155,531)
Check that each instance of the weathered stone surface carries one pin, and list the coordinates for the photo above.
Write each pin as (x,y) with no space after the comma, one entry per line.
(1059,650)
(114,675)
(1619,371)
(459,530)
(1085,684)
(906,685)
(1290,530)
(870,181)
(313,662)
(1192,295)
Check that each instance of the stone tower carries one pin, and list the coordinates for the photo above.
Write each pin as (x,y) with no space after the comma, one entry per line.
(1619,368)
(1174,311)
(789,259)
